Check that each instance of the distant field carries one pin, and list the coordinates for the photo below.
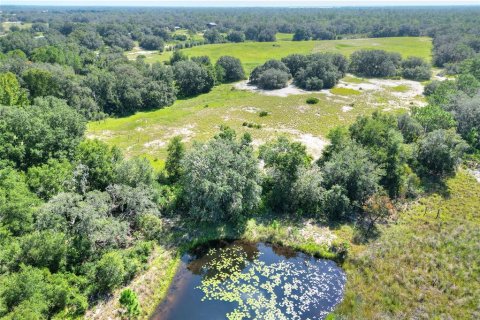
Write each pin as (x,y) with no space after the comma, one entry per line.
(254,53)
(7,25)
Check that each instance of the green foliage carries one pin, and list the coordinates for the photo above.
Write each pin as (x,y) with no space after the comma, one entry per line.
(433,117)
(33,134)
(17,203)
(173,164)
(110,272)
(374,63)
(134,172)
(321,71)
(11,94)
(40,83)
(272,79)
(312,100)
(379,135)
(221,179)
(441,151)
(353,172)
(416,68)
(192,78)
(410,128)
(129,301)
(229,69)
(51,178)
(283,160)
(38,294)
(278,71)
(100,160)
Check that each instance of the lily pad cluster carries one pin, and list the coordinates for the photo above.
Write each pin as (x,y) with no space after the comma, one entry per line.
(289,289)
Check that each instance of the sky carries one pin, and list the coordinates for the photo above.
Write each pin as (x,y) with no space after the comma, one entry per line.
(240,3)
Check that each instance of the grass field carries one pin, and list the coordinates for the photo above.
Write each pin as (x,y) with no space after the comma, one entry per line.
(148,133)
(254,53)
(424,266)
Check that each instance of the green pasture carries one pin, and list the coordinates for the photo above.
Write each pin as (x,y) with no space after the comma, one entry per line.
(254,53)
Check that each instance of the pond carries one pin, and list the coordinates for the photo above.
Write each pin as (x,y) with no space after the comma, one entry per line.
(244,280)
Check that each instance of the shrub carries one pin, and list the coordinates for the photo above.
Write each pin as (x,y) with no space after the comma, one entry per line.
(263,114)
(236,36)
(109,272)
(441,151)
(192,78)
(312,100)
(129,301)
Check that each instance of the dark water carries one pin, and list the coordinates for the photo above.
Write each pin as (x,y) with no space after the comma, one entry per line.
(253,280)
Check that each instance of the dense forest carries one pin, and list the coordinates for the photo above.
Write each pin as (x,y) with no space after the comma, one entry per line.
(79,220)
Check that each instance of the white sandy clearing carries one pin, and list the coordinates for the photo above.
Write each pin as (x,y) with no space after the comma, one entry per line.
(284,92)
(414,90)
(251,109)
(346,108)
(314,144)
(155,144)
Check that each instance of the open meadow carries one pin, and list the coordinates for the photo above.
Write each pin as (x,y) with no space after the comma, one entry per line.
(199,118)
(253,54)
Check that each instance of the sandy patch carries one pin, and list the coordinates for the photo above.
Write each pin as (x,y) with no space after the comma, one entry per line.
(155,144)
(284,92)
(314,144)
(476,174)
(414,88)
(346,108)
(251,109)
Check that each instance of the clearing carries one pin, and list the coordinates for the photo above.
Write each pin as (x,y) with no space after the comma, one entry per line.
(236,105)
(253,54)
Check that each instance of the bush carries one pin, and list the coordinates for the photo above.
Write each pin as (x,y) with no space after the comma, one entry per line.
(441,151)
(109,272)
(192,78)
(263,114)
(129,301)
(273,79)
(321,71)
(312,100)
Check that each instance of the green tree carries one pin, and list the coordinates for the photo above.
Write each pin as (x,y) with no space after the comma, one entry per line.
(40,83)
(433,117)
(11,94)
(109,272)
(352,170)
(229,69)
(50,178)
(101,161)
(134,172)
(380,136)
(441,151)
(192,78)
(175,154)
(221,180)
(283,160)
(17,203)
